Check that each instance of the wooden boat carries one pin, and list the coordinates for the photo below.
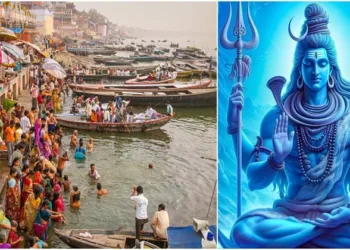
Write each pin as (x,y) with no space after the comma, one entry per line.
(79,121)
(184,74)
(143,87)
(193,98)
(140,58)
(106,239)
(143,80)
(102,76)
(140,69)
(102,59)
(118,62)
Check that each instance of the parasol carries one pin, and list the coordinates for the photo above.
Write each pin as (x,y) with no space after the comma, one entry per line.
(7,35)
(36,48)
(54,68)
(5,59)
(13,50)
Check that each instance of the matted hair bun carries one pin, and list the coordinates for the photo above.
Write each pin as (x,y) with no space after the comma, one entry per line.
(316,19)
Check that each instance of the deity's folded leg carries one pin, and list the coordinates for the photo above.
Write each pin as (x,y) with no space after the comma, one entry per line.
(256,230)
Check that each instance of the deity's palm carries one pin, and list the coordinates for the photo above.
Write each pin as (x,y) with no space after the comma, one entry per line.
(282,141)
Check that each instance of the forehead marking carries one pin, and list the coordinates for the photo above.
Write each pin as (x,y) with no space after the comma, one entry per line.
(315,54)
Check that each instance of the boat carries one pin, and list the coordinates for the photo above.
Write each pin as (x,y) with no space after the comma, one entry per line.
(163,58)
(142,87)
(140,69)
(174,45)
(79,121)
(193,98)
(102,59)
(106,238)
(118,62)
(141,58)
(184,73)
(178,237)
(102,76)
(143,80)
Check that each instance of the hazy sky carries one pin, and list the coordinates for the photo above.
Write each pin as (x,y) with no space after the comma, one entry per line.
(176,16)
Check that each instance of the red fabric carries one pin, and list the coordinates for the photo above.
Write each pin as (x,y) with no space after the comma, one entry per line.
(40,99)
(14,237)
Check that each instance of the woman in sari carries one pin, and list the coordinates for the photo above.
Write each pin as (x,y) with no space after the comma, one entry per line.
(42,221)
(45,149)
(58,205)
(12,206)
(37,174)
(27,189)
(57,188)
(31,208)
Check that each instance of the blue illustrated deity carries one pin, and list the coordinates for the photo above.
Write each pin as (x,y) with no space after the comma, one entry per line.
(303,148)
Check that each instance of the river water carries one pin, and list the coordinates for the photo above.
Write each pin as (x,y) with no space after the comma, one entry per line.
(183,154)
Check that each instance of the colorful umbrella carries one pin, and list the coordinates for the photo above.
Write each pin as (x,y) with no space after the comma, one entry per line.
(7,35)
(54,68)
(4,58)
(13,50)
(36,48)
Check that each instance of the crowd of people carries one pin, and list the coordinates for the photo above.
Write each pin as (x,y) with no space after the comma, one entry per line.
(36,181)
(82,70)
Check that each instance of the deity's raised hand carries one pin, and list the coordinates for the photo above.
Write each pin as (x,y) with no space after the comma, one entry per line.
(282,141)
(236,101)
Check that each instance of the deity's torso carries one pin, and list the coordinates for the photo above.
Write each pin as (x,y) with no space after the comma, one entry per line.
(328,178)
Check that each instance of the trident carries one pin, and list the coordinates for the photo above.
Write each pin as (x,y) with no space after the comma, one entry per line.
(240,70)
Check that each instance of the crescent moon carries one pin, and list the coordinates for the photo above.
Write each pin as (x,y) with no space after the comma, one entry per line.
(294,37)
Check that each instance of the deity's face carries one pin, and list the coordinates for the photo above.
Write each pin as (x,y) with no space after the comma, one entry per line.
(315,69)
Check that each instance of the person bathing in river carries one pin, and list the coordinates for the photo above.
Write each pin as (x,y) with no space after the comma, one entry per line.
(62,162)
(75,197)
(80,151)
(66,184)
(74,139)
(101,191)
(93,172)
(90,146)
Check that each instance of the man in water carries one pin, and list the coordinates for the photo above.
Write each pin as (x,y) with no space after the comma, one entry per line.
(311,169)
(160,223)
(169,109)
(74,139)
(141,209)
(62,162)
(101,191)
(93,172)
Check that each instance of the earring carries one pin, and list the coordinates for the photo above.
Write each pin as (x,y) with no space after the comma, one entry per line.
(300,83)
(330,82)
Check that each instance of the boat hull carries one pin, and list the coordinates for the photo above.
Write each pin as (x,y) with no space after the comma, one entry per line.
(104,76)
(144,126)
(105,238)
(139,88)
(195,98)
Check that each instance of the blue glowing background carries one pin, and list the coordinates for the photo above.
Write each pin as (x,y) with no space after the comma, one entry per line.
(273,56)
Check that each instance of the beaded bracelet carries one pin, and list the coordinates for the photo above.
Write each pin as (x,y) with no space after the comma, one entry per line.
(274,165)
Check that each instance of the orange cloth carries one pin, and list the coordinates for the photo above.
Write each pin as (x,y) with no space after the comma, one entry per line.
(93,117)
(31,117)
(10,134)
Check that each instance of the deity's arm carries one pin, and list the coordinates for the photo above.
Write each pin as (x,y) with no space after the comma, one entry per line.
(260,173)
